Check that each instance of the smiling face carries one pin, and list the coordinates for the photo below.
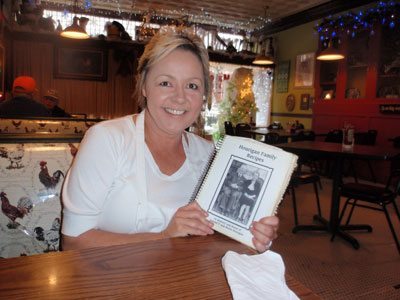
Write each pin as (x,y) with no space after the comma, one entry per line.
(174,88)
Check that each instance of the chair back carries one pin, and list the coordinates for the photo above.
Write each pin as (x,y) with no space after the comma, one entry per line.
(372,134)
(241,128)
(393,182)
(334,136)
(396,142)
(229,130)
(304,135)
(272,138)
(366,138)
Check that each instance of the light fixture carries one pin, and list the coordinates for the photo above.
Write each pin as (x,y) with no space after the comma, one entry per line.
(330,53)
(75,31)
(268,57)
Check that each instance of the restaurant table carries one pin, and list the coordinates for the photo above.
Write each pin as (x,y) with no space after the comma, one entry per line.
(335,152)
(176,268)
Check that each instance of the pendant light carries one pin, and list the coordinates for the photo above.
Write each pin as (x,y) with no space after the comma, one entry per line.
(75,31)
(268,57)
(330,53)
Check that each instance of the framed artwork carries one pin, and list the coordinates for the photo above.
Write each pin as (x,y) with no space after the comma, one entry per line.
(304,73)
(305,101)
(282,76)
(80,63)
(290,102)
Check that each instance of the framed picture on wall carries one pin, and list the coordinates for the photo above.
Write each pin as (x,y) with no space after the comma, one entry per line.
(282,76)
(304,73)
(80,63)
(305,101)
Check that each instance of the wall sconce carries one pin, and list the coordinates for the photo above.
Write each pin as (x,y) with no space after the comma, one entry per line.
(268,57)
(75,31)
(330,53)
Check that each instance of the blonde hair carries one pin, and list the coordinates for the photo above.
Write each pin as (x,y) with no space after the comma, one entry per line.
(161,45)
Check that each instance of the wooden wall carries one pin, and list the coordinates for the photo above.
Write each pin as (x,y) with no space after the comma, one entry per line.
(34,55)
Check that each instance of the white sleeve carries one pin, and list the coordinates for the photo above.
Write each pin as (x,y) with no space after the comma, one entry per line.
(88,181)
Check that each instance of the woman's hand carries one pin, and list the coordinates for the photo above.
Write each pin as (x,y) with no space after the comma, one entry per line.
(190,219)
(264,231)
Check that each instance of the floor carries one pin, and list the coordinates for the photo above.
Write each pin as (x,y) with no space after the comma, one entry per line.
(335,270)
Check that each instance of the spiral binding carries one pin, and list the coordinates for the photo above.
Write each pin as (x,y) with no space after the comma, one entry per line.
(203,176)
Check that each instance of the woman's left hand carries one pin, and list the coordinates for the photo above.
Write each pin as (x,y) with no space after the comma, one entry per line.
(264,231)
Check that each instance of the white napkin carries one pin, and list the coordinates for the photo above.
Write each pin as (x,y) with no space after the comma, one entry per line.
(254,277)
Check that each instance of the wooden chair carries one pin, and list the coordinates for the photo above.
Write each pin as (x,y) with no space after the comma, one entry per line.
(241,128)
(374,197)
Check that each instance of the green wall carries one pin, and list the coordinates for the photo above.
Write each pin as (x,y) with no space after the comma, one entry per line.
(288,44)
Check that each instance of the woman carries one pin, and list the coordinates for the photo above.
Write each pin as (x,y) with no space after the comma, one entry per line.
(133,176)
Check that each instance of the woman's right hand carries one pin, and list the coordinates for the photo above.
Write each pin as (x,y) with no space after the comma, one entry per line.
(190,219)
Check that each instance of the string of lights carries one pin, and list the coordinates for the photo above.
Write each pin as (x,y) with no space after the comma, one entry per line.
(385,13)
(162,15)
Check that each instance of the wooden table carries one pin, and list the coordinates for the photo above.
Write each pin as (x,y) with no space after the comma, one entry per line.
(335,152)
(178,268)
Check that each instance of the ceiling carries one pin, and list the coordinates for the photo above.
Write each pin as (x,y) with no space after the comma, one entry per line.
(248,15)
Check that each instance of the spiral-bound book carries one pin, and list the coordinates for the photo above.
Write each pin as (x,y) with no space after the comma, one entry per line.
(245,180)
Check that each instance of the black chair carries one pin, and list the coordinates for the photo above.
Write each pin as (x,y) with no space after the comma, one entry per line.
(365,138)
(304,135)
(334,136)
(374,197)
(272,138)
(241,128)
(312,162)
(302,178)
(229,130)
(396,142)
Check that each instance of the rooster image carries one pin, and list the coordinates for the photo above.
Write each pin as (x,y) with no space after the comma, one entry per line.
(23,207)
(16,124)
(49,181)
(50,237)
(14,156)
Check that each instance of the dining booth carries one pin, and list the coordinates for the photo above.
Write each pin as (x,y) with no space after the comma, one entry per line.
(35,155)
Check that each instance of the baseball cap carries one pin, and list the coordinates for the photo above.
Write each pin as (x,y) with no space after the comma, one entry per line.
(24,84)
(52,94)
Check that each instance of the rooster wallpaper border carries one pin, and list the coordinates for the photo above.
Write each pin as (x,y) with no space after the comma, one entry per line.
(31,176)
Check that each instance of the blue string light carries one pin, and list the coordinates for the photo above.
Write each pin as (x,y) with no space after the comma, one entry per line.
(385,12)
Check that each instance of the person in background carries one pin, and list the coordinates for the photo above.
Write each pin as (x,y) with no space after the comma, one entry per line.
(22,103)
(51,101)
(133,177)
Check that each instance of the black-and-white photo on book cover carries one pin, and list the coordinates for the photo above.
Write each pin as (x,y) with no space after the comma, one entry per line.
(238,196)
(244,181)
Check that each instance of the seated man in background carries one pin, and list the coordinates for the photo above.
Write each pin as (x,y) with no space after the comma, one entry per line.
(51,100)
(22,102)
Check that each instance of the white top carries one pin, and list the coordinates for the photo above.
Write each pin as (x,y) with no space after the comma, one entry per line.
(106,187)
